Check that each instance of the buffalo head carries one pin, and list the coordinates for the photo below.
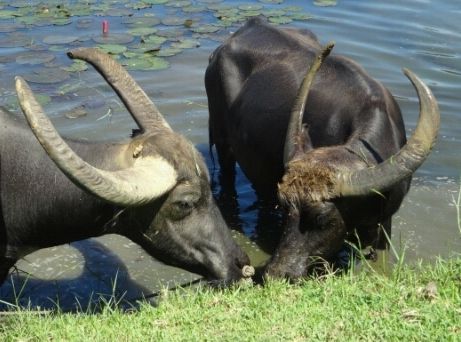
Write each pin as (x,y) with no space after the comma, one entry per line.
(324,189)
(157,182)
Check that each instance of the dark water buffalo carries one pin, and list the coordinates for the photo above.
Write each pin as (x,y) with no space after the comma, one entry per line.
(340,167)
(154,189)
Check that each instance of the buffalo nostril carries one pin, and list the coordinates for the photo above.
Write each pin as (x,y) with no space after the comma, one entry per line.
(248,271)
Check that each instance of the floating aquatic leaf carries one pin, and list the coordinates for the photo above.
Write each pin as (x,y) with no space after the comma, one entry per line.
(219,7)
(250,7)
(227,22)
(70,87)
(84,23)
(57,48)
(76,66)
(273,12)
(24,3)
(167,52)
(142,31)
(180,3)
(194,9)
(324,3)
(113,49)
(300,16)
(59,39)
(146,62)
(8,14)
(271,1)
(15,39)
(153,39)
(155,2)
(226,13)
(61,21)
(138,5)
(117,12)
(210,1)
(205,29)
(170,33)
(186,44)
(34,58)
(140,21)
(250,13)
(47,75)
(113,38)
(144,48)
(76,112)
(280,20)
(173,21)
(293,9)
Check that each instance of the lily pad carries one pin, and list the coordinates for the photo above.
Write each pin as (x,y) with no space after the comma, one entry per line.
(34,58)
(117,12)
(84,23)
(61,21)
(70,87)
(205,29)
(219,7)
(170,33)
(273,12)
(194,9)
(250,13)
(271,1)
(156,2)
(141,22)
(59,39)
(114,38)
(143,48)
(186,44)
(153,39)
(76,66)
(113,49)
(178,4)
(8,14)
(47,76)
(280,20)
(146,62)
(325,3)
(168,52)
(76,112)
(15,39)
(301,16)
(173,21)
(250,7)
(142,31)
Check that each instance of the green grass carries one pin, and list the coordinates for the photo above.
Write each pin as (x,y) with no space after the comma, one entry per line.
(420,303)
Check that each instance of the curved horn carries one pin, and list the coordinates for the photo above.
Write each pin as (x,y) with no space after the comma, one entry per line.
(408,159)
(146,180)
(141,108)
(295,133)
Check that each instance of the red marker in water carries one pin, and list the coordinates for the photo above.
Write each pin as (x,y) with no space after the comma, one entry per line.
(105,27)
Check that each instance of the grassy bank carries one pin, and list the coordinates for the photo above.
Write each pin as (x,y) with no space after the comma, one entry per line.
(415,303)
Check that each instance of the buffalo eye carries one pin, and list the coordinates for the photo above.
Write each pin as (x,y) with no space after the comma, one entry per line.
(182,208)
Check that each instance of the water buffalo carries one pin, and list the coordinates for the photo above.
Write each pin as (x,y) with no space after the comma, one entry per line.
(336,157)
(153,189)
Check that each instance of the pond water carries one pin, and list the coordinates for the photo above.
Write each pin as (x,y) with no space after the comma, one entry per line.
(383,37)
